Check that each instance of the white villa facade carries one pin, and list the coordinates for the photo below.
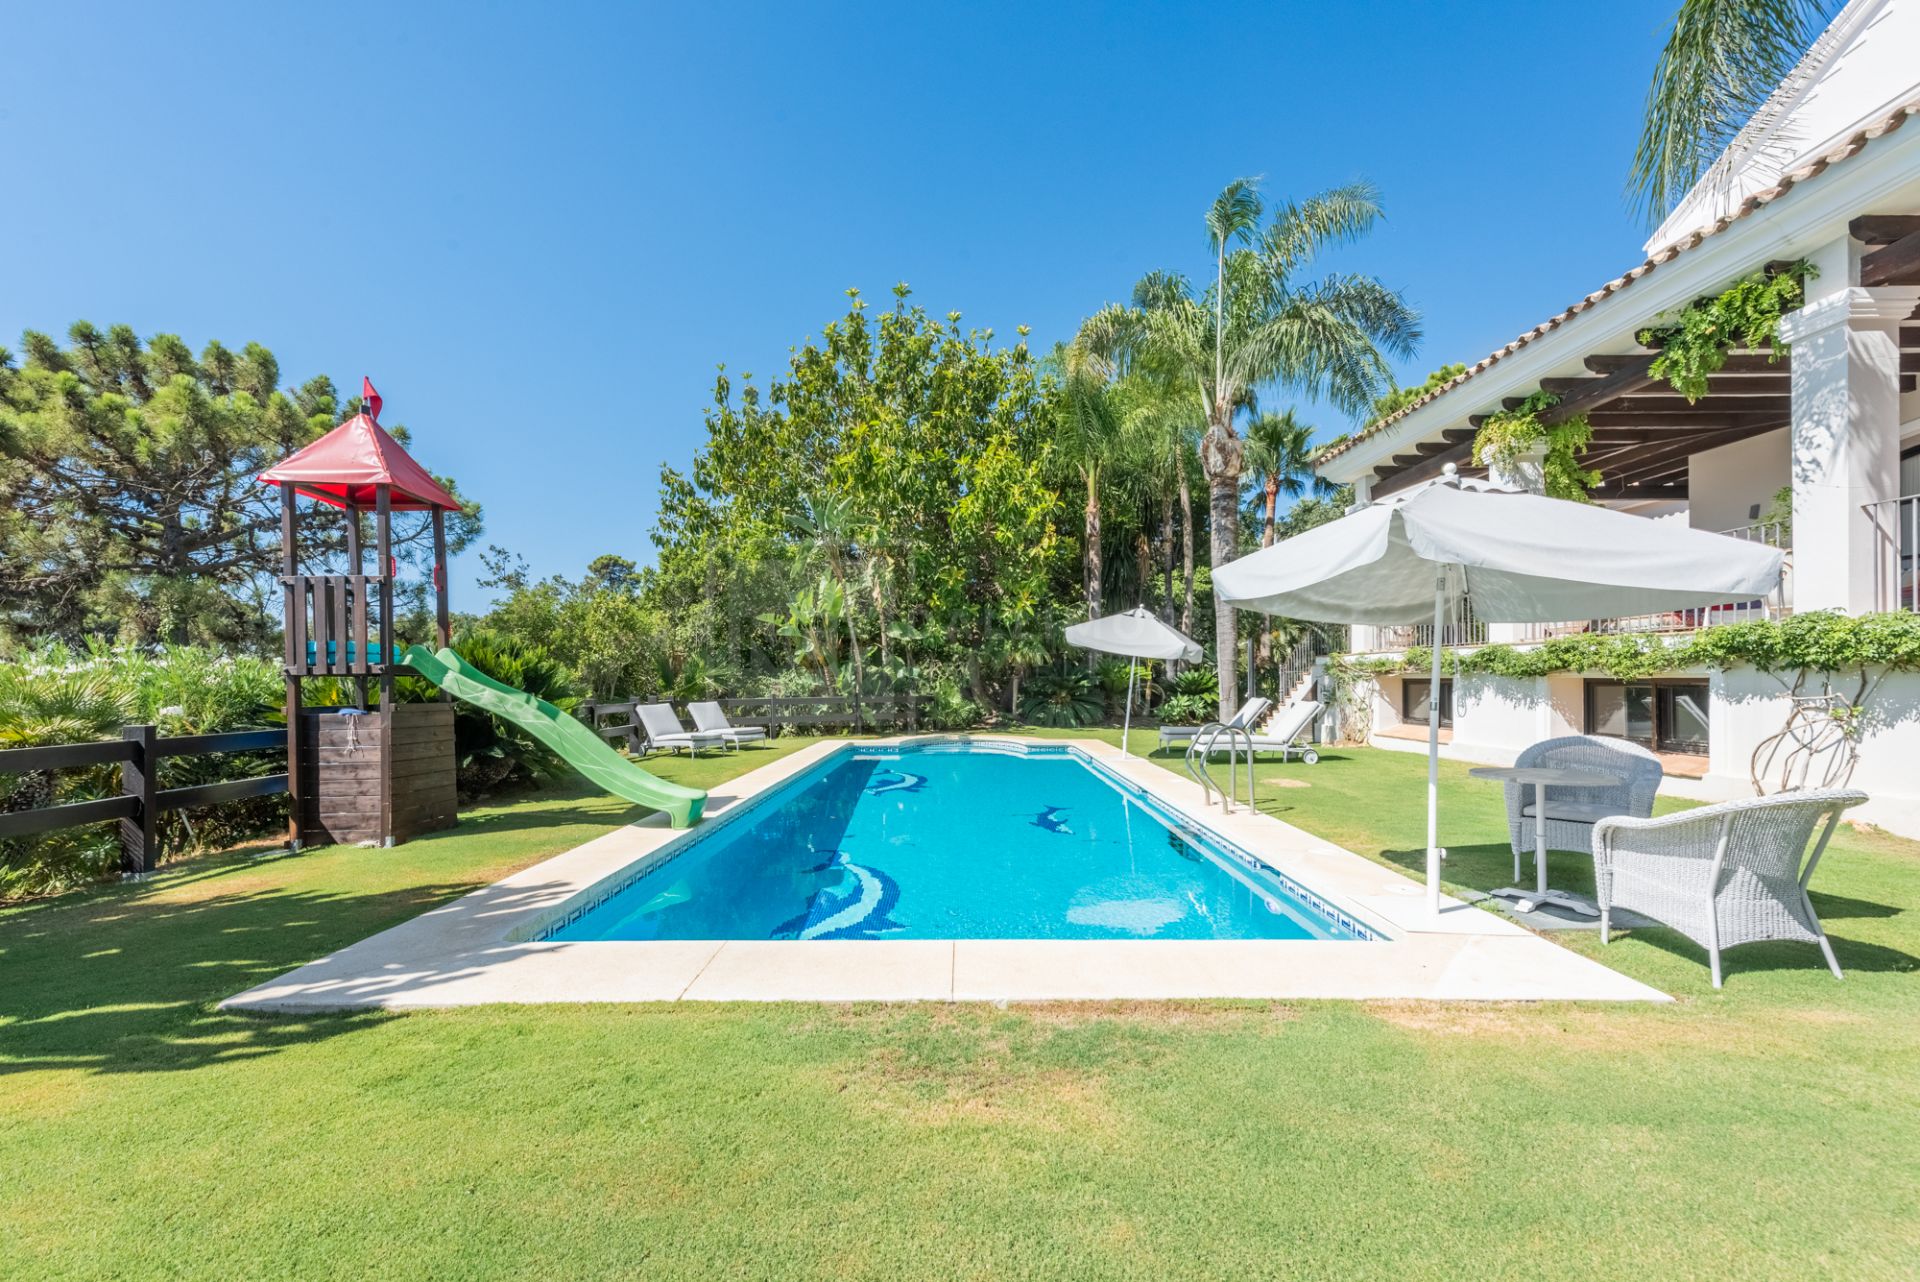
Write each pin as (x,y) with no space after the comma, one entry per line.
(1828,171)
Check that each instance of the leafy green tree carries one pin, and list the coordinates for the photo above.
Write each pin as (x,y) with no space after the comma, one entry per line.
(929,446)
(129,494)
(614,573)
(1721,62)
(1400,397)
(1261,326)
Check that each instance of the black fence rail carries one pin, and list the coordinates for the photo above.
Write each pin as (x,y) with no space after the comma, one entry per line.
(858,713)
(138,752)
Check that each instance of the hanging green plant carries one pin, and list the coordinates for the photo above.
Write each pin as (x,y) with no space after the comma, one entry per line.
(1817,641)
(1694,346)
(1506,437)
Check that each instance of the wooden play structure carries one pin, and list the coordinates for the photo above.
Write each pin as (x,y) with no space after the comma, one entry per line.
(384,772)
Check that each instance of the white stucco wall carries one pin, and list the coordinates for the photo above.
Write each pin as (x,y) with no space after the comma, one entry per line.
(1495,717)
(1725,485)
(1862,67)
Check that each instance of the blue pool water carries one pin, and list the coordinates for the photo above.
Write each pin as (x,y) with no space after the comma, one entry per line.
(953,841)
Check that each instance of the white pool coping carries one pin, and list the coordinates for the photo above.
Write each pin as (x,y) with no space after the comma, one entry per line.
(481,949)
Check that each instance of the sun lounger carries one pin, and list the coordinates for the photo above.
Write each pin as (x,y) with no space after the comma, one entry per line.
(1287,728)
(1250,711)
(708,718)
(663,732)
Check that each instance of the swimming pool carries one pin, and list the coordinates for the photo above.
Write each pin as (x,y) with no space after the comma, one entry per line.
(955,841)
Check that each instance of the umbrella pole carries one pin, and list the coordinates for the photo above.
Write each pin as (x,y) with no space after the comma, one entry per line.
(1433,745)
(1126,725)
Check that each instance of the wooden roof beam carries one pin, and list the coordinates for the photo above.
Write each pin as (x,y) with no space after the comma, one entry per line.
(1663,458)
(1895,264)
(1605,493)
(1425,470)
(1744,362)
(1740,383)
(1883,229)
(1714,421)
(1680,407)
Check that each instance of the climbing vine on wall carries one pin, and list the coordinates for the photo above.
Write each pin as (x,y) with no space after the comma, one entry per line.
(1508,435)
(1694,345)
(1815,642)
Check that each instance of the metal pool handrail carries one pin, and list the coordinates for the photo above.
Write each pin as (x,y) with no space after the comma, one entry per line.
(1202,746)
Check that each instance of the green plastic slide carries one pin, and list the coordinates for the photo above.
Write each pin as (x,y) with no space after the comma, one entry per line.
(577,745)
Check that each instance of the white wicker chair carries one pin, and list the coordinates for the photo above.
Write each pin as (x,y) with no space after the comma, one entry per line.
(1572,812)
(1722,875)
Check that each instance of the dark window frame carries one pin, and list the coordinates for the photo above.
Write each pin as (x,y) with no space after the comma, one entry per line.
(1410,686)
(1660,740)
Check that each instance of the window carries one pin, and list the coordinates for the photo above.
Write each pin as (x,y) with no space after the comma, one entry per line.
(1414,697)
(1667,716)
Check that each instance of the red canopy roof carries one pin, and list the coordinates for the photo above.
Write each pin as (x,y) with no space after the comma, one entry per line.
(343,467)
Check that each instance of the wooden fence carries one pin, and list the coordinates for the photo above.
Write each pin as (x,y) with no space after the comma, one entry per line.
(138,752)
(858,713)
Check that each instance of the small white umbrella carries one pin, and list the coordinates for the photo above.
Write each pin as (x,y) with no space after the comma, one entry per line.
(1135,635)
(1519,558)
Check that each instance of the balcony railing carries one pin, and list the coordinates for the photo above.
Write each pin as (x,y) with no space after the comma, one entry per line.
(1464,629)
(1896,552)
(1470,631)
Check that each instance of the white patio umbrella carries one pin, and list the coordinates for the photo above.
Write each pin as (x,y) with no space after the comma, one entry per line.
(1136,635)
(1519,558)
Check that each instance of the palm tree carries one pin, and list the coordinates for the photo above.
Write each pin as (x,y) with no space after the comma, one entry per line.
(1722,61)
(1159,427)
(1280,453)
(828,524)
(1259,326)
(1089,427)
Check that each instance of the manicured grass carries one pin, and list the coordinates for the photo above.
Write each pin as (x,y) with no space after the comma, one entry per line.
(1765,1131)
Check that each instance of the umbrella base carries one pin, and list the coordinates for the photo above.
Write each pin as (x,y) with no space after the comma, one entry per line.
(1529,900)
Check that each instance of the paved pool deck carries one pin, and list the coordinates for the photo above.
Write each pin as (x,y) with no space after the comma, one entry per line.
(482,948)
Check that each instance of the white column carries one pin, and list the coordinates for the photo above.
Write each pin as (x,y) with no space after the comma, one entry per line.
(1527,471)
(1846,438)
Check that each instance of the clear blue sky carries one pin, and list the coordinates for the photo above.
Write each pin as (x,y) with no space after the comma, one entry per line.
(540,227)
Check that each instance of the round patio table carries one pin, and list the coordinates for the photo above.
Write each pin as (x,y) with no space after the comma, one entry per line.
(1541,778)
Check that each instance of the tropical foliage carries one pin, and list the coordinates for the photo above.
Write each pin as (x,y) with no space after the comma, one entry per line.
(1694,346)
(491,753)
(1508,436)
(59,695)
(1720,64)
(1260,325)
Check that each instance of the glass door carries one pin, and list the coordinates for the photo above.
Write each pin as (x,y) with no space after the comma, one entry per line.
(1682,717)
(1667,716)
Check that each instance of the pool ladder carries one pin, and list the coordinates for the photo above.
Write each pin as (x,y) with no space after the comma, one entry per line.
(1200,750)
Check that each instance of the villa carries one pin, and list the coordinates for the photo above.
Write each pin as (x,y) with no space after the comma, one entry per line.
(1824,173)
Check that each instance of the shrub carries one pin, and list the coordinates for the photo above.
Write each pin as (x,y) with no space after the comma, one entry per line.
(1191,709)
(950,709)
(1197,681)
(1063,699)
(41,703)
(59,695)
(492,753)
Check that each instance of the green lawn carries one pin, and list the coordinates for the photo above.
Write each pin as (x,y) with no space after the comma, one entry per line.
(1766,1131)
